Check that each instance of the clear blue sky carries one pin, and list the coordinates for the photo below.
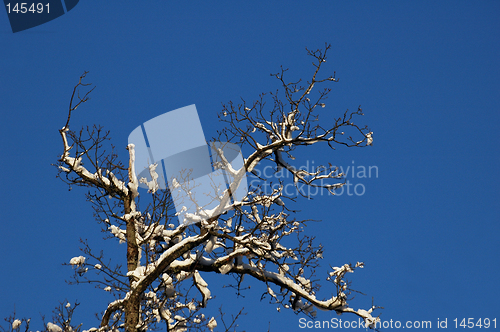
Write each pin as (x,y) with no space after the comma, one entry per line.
(426,75)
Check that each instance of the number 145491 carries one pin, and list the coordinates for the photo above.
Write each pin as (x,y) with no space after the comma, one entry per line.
(23,8)
(472,323)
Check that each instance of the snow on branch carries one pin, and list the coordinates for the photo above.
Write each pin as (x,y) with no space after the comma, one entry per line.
(133,183)
(202,287)
(90,149)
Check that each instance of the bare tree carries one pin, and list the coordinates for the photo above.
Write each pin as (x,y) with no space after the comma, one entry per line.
(61,320)
(162,284)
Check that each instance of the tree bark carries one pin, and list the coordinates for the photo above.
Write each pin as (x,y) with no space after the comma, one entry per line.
(132,305)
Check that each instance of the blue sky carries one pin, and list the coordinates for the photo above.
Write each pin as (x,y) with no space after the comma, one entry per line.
(425,73)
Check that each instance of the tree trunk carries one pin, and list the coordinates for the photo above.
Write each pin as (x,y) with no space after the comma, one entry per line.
(132,306)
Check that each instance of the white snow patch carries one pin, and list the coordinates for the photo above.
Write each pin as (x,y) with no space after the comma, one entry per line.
(210,244)
(212,324)
(202,287)
(225,268)
(16,324)
(53,327)
(153,184)
(80,260)
(369,138)
(64,169)
(119,233)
